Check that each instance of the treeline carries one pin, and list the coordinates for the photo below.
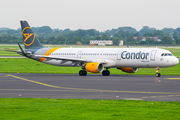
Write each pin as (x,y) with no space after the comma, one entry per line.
(129,35)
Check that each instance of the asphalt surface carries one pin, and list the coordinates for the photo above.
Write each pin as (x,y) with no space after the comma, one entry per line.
(128,87)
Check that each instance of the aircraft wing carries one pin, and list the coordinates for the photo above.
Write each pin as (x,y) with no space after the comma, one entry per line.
(69,59)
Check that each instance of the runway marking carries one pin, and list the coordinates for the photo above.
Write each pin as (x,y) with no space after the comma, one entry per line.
(161,96)
(92,90)
(4,76)
(36,90)
(173,78)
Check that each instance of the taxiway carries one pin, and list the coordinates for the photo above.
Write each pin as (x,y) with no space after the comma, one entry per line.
(128,87)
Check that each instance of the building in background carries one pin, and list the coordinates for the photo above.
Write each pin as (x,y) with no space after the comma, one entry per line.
(144,38)
(101,42)
(121,43)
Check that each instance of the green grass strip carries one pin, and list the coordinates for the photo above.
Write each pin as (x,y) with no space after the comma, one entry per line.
(25,65)
(86,109)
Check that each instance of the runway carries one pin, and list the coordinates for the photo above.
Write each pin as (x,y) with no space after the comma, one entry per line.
(124,87)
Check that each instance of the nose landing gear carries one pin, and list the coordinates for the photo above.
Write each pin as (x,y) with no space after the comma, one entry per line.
(157,72)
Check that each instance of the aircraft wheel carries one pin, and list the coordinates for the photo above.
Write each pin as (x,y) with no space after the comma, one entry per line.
(158,75)
(105,72)
(82,73)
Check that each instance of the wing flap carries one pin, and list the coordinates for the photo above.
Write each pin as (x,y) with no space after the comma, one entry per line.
(66,59)
(61,58)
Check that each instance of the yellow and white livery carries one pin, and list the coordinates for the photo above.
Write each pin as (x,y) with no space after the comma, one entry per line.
(96,60)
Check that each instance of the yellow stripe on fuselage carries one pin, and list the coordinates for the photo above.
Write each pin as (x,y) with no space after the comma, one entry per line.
(48,53)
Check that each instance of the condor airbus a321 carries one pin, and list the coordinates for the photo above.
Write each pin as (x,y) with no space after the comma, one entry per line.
(95,60)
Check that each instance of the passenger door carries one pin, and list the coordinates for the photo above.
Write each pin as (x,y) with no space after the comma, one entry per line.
(119,55)
(79,54)
(153,54)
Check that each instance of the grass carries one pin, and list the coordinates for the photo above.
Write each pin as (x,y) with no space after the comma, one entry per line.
(7,53)
(86,109)
(25,65)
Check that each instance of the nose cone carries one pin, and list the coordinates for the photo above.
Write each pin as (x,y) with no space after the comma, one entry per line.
(175,61)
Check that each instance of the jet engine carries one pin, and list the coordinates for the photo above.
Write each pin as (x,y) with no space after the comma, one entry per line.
(128,69)
(94,67)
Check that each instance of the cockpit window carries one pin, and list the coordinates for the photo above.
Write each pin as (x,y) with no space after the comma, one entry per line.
(166,54)
(169,54)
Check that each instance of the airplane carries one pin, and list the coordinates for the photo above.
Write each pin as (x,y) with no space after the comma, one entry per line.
(95,60)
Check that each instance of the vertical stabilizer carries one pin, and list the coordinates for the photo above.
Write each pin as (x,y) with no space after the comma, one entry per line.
(29,38)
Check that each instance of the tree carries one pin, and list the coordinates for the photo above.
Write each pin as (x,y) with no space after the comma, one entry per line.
(76,39)
(158,33)
(97,38)
(130,40)
(50,40)
(120,34)
(177,31)
(177,39)
(61,39)
(168,31)
(136,34)
(149,41)
(66,31)
(86,39)
(105,37)
(148,35)
(91,32)
(44,29)
(80,32)
(167,40)
(115,40)
(146,29)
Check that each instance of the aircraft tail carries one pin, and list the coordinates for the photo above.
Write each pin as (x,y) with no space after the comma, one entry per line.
(29,38)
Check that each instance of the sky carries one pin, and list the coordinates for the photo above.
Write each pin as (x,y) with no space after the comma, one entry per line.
(91,14)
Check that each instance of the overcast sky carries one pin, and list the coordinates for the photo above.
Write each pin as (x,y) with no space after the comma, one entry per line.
(86,14)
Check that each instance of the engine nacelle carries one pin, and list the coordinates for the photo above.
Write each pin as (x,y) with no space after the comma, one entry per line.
(128,69)
(94,67)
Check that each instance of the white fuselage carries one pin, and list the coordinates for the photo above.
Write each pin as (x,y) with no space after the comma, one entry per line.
(116,57)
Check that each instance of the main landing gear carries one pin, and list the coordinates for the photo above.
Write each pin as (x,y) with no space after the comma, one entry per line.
(157,72)
(106,72)
(82,73)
